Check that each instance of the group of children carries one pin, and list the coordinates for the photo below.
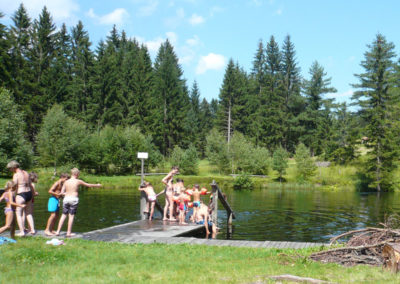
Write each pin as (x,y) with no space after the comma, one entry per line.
(19,194)
(178,200)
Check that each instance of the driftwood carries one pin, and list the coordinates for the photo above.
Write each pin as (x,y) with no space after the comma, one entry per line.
(293,278)
(365,246)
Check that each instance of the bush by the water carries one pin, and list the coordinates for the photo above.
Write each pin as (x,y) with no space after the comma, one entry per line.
(243,181)
(240,156)
(112,150)
(305,165)
(187,160)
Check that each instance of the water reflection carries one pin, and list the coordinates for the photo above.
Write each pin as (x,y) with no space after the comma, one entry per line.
(276,215)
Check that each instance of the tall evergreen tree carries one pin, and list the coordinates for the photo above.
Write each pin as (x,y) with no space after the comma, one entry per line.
(377,100)
(41,57)
(140,84)
(171,100)
(5,63)
(19,35)
(60,73)
(82,60)
(311,119)
(294,103)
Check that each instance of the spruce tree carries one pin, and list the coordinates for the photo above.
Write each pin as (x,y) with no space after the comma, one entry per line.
(82,60)
(312,118)
(5,61)
(293,101)
(377,100)
(170,101)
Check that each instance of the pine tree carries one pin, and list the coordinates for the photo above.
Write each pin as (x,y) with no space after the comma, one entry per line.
(170,100)
(270,115)
(60,76)
(293,101)
(19,37)
(5,61)
(311,119)
(82,60)
(377,100)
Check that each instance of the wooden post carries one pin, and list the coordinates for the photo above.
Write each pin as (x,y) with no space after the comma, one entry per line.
(214,214)
(143,204)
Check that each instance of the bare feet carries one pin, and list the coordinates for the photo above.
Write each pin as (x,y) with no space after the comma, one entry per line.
(22,234)
(57,234)
(48,233)
(32,233)
(70,235)
(165,219)
(172,219)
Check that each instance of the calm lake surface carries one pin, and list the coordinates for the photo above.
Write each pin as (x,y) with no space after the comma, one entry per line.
(265,214)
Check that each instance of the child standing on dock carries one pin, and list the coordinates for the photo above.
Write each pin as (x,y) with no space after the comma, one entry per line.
(169,194)
(53,205)
(71,200)
(151,197)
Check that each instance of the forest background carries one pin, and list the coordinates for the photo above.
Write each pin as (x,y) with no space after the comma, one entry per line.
(64,102)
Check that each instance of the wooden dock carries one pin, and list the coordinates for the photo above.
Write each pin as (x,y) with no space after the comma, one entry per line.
(165,232)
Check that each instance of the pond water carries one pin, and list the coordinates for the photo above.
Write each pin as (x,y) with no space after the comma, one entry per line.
(265,214)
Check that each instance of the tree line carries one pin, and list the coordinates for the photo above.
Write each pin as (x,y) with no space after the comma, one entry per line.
(115,92)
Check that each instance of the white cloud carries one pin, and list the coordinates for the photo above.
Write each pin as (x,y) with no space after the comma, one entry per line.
(176,20)
(116,17)
(194,41)
(196,20)
(60,10)
(211,61)
(153,45)
(148,9)
(215,10)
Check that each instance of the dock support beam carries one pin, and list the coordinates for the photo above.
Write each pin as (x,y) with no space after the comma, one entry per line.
(214,214)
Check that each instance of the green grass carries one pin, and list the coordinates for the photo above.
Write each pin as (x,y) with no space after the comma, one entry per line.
(30,260)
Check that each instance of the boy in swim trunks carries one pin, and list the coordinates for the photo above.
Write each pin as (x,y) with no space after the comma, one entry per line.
(151,197)
(196,201)
(53,205)
(71,200)
(182,208)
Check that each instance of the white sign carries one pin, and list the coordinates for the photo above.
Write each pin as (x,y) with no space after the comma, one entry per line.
(142,155)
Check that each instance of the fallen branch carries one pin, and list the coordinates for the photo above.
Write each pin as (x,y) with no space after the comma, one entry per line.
(352,248)
(288,277)
(369,229)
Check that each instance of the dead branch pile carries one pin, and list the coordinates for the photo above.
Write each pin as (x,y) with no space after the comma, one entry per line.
(364,247)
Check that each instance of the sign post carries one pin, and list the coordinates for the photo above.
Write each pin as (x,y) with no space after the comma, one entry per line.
(143,198)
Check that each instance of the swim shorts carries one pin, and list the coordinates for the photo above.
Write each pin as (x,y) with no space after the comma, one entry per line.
(196,203)
(70,205)
(53,205)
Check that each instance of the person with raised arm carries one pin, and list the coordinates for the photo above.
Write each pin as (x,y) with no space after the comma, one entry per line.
(169,194)
(71,200)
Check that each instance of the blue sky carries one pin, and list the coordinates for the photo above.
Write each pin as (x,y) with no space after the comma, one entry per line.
(206,34)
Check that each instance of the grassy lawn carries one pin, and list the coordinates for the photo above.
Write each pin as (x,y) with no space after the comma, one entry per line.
(30,260)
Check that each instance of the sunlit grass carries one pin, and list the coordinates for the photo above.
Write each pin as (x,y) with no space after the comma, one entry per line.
(78,261)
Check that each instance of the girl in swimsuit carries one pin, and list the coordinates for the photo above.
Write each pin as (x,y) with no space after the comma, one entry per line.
(169,194)
(8,197)
(24,196)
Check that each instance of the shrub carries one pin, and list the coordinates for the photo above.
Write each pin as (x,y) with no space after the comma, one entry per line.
(243,181)
(187,160)
(304,163)
(280,161)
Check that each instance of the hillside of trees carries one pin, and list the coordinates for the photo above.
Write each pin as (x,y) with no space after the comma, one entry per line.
(65,101)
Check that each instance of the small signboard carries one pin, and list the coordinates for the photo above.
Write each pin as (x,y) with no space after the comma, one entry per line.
(143,155)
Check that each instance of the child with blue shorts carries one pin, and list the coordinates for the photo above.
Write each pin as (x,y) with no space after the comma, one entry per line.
(53,206)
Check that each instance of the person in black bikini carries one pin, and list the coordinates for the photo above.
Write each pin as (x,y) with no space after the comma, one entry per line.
(24,196)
